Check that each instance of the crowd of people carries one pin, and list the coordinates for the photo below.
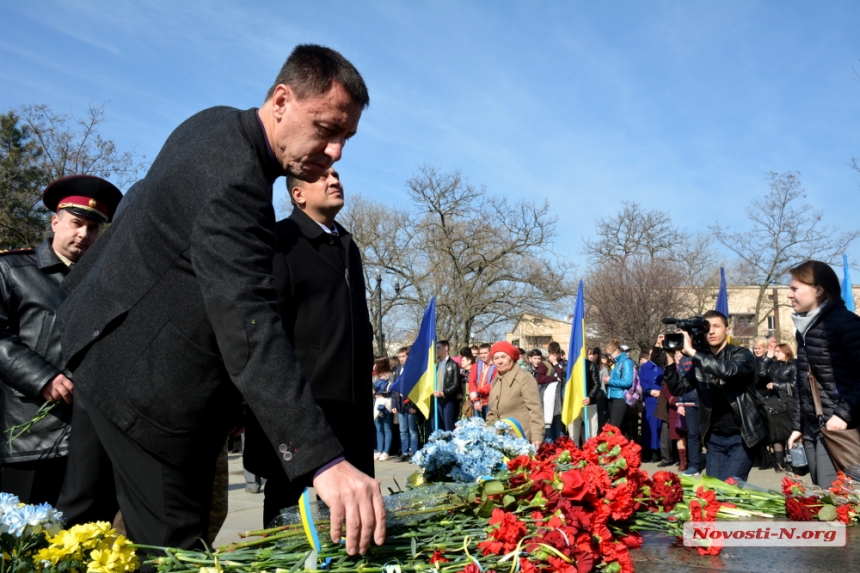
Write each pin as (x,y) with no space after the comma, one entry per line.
(717,407)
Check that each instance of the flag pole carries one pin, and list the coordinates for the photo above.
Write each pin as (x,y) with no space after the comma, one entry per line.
(585,420)
(435,398)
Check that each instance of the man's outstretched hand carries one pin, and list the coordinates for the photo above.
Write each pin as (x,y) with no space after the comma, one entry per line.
(353,498)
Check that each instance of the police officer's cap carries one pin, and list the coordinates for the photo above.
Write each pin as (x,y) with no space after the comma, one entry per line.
(84,195)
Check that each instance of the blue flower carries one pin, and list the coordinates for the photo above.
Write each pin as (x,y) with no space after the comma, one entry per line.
(14,521)
(471,451)
(8,501)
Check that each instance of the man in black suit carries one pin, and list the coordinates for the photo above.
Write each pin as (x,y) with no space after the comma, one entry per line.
(449,392)
(175,308)
(323,307)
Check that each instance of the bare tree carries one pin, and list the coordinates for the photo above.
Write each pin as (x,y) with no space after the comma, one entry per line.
(629,300)
(784,232)
(696,261)
(645,268)
(72,145)
(39,146)
(485,259)
(633,231)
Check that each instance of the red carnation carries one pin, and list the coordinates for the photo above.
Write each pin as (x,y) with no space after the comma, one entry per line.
(843,514)
(632,540)
(574,487)
(505,537)
(791,486)
(559,565)
(438,557)
(796,510)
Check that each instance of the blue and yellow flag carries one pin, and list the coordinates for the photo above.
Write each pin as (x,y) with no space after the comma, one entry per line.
(574,389)
(418,379)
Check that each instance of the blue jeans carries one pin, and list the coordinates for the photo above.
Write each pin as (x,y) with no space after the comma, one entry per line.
(554,430)
(383,432)
(408,433)
(729,456)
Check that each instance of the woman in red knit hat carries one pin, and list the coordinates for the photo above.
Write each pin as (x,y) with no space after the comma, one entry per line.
(515,393)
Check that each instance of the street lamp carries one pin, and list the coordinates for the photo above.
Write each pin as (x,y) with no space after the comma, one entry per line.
(380,337)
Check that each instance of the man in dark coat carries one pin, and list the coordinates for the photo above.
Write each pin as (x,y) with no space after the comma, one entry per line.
(176,309)
(323,307)
(34,464)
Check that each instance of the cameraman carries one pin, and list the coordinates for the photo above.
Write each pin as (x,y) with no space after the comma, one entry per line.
(731,426)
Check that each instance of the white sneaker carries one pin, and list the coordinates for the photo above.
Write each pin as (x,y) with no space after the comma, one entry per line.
(376,455)
(382,457)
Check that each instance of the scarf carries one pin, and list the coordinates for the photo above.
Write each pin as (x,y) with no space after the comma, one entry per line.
(802,321)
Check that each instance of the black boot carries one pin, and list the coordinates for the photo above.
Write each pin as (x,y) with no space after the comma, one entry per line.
(779,462)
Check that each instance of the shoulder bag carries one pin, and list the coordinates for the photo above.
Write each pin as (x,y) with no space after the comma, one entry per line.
(843,445)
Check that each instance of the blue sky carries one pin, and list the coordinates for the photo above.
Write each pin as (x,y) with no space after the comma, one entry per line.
(678,105)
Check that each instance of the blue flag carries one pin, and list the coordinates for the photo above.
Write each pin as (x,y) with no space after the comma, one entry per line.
(723,297)
(418,379)
(847,289)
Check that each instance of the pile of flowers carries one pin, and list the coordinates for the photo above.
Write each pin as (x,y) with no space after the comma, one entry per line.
(804,502)
(497,505)
(470,452)
(32,539)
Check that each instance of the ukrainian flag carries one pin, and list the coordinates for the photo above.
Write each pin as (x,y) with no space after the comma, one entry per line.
(418,379)
(574,389)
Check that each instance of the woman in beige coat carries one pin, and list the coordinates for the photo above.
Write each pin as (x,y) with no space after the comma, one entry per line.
(514,394)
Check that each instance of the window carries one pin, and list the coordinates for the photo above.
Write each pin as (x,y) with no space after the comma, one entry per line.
(743,325)
(770,323)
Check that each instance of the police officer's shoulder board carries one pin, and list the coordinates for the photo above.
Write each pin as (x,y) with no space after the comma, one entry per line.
(16,251)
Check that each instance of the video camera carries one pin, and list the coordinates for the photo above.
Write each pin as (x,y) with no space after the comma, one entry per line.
(698,328)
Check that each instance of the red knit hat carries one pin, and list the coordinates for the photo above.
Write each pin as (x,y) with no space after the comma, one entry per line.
(507,348)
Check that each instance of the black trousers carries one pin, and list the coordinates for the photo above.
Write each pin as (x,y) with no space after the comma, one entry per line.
(162,504)
(617,413)
(88,492)
(34,482)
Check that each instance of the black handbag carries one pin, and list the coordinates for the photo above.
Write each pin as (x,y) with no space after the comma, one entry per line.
(778,415)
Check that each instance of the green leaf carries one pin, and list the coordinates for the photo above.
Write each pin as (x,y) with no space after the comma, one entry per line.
(509,502)
(493,487)
(486,509)
(827,513)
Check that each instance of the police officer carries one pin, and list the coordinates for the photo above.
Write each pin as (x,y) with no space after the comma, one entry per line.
(34,464)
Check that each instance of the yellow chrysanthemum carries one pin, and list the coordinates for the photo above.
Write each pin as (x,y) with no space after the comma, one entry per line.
(52,554)
(103,562)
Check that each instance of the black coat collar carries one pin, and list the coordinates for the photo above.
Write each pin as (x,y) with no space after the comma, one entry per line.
(310,228)
(45,255)
(257,137)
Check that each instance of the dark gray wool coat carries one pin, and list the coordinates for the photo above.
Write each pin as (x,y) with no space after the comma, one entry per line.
(176,304)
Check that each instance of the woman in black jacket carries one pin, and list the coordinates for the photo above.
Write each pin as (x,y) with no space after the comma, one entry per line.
(775,377)
(828,346)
